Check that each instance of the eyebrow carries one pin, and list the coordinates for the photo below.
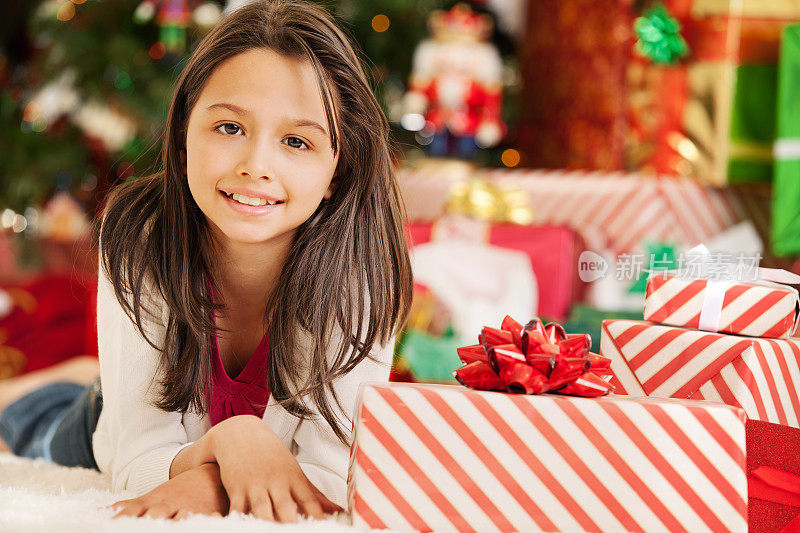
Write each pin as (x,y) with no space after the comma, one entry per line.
(241,112)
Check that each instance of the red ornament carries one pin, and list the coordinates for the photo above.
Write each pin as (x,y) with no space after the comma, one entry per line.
(532,360)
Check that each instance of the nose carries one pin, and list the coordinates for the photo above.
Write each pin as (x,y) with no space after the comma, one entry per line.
(255,161)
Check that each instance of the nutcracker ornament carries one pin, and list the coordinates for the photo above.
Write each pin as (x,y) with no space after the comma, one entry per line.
(455,91)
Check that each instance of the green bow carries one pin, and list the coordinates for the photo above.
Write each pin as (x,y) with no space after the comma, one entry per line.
(659,36)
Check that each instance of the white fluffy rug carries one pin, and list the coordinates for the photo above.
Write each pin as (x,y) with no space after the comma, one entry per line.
(39,496)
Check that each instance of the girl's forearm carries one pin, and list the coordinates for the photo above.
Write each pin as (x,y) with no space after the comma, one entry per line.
(197,453)
(205,449)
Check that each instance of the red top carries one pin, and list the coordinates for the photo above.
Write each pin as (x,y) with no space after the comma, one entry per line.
(245,394)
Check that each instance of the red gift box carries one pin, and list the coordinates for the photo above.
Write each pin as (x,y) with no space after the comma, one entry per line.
(55,319)
(553,252)
(775,446)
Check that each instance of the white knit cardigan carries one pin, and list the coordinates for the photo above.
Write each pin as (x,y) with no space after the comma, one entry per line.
(135,442)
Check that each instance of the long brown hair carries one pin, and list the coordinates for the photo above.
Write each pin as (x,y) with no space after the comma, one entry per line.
(348,268)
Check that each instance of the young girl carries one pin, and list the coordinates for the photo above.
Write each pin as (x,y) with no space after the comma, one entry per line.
(249,287)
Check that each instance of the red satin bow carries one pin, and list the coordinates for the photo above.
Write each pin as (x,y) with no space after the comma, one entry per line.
(533,359)
(778,486)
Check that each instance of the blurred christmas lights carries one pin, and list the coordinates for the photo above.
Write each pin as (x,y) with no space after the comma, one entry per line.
(510,157)
(380,23)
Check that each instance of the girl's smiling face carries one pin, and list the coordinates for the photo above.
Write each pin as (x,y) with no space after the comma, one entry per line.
(258,134)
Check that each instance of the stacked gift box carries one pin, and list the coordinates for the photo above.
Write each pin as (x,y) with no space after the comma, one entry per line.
(447,458)
(532,441)
(719,340)
(725,341)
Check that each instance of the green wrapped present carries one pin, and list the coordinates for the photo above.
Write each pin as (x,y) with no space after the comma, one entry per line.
(786,193)
(752,130)
(428,358)
(659,256)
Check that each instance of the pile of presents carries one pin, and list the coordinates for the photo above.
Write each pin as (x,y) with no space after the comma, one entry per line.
(522,236)
(705,89)
(700,434)
(702,431)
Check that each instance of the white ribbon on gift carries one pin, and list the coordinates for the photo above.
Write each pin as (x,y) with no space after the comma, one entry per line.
(713,298)
(714,293)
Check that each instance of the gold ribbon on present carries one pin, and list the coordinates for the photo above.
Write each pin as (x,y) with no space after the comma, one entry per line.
(481,199)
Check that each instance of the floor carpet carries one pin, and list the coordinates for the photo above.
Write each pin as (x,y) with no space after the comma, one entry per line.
(39,496)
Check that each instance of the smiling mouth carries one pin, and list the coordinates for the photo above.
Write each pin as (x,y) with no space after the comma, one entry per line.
(247,200)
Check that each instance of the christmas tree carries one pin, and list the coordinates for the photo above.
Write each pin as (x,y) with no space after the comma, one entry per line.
(85,84)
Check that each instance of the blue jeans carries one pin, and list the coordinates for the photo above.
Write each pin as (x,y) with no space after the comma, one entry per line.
(55,422)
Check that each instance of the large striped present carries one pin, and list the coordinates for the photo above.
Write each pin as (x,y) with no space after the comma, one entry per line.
(762,376)
(626,210)
(740,308)
(610,210)
(448,458)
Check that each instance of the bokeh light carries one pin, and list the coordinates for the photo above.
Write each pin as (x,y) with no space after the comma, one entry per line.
(380,23)
(66,11)
(125,170)
(32,112)
(39,124)
(7,218)
(123,80)
(510,157)
(158,50)
(19,224)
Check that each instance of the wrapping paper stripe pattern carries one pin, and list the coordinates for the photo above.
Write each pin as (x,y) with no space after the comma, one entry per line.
(613,210)
(762,376)
(447,458)
(628,209)
(747,309)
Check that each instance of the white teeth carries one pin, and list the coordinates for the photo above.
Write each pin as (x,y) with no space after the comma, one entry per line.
(251,201)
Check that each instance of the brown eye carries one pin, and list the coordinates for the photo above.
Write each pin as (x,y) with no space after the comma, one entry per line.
(296,142)
(229,128)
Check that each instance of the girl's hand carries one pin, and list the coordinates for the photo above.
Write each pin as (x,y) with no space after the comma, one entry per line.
(260,474)
(197,491)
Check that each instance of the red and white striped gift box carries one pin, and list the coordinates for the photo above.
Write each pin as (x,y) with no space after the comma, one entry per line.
(626,209)
(756,310)
(611,210)
(761,376)
(448,458)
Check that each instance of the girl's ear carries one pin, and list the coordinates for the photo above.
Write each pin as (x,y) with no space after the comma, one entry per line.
(331,188)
